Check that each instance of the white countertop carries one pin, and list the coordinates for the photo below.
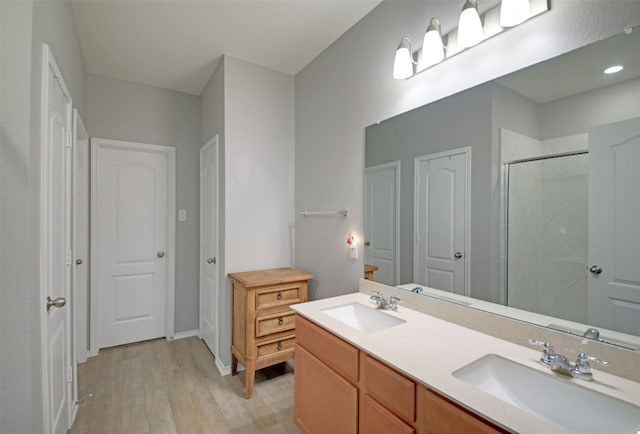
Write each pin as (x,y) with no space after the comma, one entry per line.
(429,350)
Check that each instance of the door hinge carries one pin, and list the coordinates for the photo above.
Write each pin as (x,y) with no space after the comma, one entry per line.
(69,374)
(69,257)
(69,139)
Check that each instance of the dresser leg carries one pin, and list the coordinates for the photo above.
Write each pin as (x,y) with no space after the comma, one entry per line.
(250,378)
(234,364)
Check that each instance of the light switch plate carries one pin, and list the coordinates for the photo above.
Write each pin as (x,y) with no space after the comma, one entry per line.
(182,215)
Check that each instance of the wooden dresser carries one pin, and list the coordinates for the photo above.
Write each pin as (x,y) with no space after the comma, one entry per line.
(263,330)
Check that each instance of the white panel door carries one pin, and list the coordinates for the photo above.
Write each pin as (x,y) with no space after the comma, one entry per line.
(441,221)
(209,245)
(614,232)
(81,180)
(131,191)
(56,247)
(381,221)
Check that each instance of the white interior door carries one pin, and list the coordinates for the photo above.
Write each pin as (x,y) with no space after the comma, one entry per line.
(614,232)
(209,244)
(131,220)
(381,221)
(80,237)
(441,221)
(55,254)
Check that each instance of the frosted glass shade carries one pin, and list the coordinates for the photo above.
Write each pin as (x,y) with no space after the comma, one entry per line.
(469,26)
(403,62)
(432,46)
(514,12)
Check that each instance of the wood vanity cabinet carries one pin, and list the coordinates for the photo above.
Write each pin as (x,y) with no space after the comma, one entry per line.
(263,326)
(340,389)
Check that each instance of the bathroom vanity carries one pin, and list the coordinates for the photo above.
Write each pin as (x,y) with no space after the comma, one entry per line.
(364,370)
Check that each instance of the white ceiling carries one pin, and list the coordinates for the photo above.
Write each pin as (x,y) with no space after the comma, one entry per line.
(176,44)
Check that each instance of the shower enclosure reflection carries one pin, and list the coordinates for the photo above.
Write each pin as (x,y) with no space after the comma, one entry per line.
(547,230)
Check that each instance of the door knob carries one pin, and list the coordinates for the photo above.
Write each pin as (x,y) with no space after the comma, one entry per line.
(211,260)
(58,302)
(458,255)
(160,254)
(367,243)
(595,269)
(78,261)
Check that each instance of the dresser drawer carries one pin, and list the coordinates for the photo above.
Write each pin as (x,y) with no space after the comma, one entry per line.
(391,389)
(336,353)
(277,346)
(280,295)
(275,323)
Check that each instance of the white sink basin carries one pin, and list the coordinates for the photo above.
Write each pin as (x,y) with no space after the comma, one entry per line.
(361,317)
(577,409)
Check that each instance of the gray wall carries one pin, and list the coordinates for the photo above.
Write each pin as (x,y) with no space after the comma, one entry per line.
(122,110)
(25,25)
(19,397)
(455,122)
(350,86)
(252,109)
(578,113)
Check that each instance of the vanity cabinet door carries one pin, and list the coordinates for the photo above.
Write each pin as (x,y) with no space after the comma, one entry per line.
(375,419)
(436,415)
(324,401)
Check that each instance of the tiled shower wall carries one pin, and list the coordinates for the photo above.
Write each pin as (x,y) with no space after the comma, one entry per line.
(547,230)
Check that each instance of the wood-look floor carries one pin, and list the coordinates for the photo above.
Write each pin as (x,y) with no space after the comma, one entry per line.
(162,387)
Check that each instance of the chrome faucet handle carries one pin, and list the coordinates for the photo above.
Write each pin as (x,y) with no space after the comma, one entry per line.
(393,302)
(582,368)
(548,355)
(375,294)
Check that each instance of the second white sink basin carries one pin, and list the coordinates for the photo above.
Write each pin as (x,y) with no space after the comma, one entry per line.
(577,409)
(361,317)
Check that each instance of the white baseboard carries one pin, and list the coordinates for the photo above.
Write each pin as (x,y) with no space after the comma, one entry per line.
(187,334)
(226,369)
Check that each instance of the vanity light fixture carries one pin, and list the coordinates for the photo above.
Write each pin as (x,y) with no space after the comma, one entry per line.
(469,26)
(613,69)
(514,12)
(403,63)
(432,45)
(472,29)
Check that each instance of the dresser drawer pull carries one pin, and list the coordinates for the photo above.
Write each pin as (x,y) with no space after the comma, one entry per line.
(280,320)
(279,295)
(279,345)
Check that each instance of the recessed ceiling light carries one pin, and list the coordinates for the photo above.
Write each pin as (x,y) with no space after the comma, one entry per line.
(613,69)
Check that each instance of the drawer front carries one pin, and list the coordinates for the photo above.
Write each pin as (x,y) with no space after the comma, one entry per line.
(436,415)
(336,353)
(391,389)
(275,323)
(285,344)
(375,419)
(281,295)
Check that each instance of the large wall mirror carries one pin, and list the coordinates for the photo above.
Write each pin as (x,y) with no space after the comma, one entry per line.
(520,196)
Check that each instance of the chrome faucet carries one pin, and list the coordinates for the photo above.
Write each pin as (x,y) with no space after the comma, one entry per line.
(557,362)
(382,303)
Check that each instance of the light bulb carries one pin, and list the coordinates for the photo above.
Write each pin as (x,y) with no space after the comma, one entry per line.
(469,26)
(403,62)
(514,12)
(432,46)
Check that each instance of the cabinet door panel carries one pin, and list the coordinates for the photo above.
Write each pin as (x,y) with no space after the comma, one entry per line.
(324,401)
(375,419)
